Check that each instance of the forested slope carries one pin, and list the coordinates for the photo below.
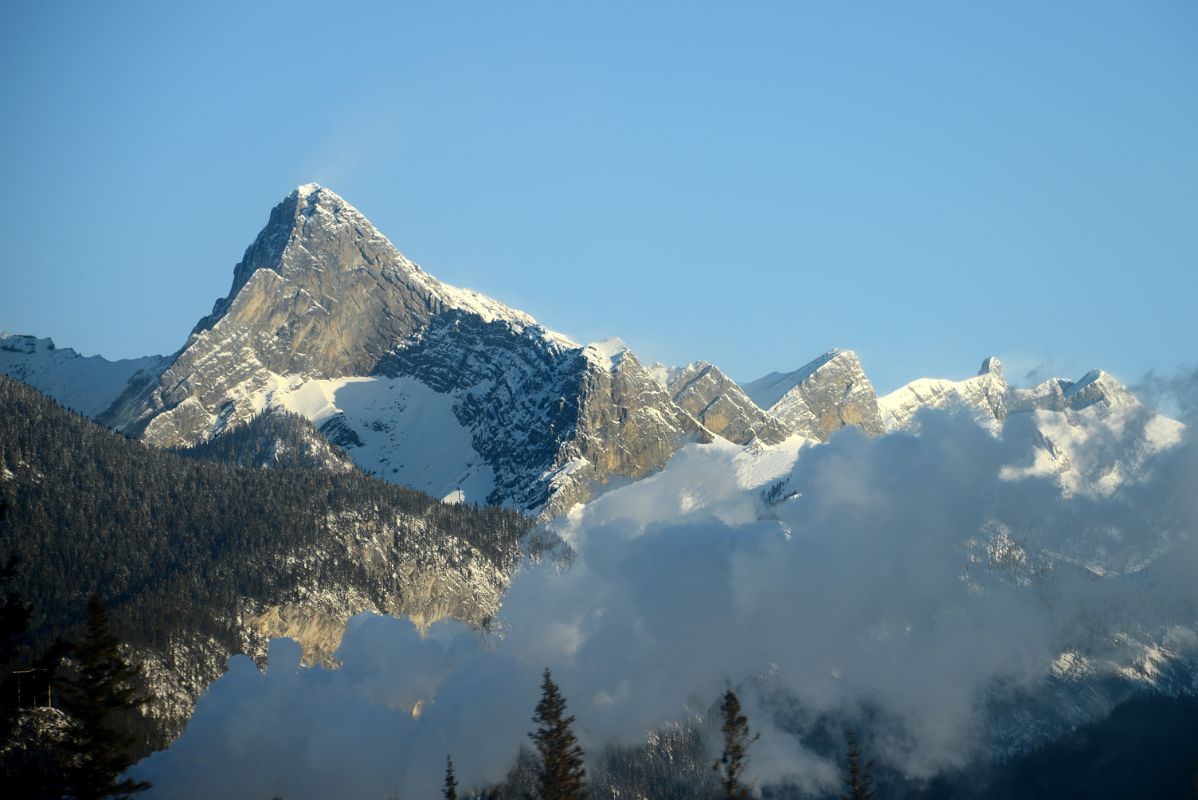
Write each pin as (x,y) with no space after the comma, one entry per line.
(198,560)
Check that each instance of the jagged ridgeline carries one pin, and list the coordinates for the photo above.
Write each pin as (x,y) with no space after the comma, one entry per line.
(198,560)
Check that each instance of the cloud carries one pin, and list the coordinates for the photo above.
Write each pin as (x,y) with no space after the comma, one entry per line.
(1174,394)
(912,580)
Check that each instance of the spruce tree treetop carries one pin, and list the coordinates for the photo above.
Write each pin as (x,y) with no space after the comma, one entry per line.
(450,792)
(859,777)
(562,775)
(104,687)
(735,758)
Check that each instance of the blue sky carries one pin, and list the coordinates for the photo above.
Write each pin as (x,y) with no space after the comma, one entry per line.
(752,184)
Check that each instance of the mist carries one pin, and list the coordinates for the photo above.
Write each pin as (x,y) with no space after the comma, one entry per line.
(916,580)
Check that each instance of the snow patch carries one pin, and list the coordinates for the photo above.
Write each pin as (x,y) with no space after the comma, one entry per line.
(607,352)
(406,432)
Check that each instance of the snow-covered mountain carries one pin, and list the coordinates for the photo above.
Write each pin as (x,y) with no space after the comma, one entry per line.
(820,397)
(87,384)
(427,385)
(1095,388)
(986,396)
(1066,415)
(424,384)
(989,398)
(714,399)
(454,393)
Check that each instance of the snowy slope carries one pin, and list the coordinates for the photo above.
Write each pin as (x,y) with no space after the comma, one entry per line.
(985,396)
(1092,435)
(395,428)
(88,384)
(1096,450)
(1095,388)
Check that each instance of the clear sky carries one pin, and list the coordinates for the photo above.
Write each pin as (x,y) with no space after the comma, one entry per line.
(747,183)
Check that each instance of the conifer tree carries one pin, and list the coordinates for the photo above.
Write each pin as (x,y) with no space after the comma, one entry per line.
(101,690)
(859,777)
(562,775)
(14,624)
(450,792)
(735,758)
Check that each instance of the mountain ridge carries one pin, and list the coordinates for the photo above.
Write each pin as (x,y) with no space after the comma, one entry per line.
(326,318)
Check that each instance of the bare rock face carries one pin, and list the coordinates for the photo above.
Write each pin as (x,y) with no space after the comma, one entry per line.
(821,397)
(322,295)
(621,402)
(715,400)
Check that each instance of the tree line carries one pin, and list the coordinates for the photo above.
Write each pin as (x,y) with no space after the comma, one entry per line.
(558,771)
(78,744)
(177,544)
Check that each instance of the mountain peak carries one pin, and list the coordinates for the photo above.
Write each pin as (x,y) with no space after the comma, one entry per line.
(1098,386)
(768,390)
(311,198)
(607,352)
(323,303)
(821,396)
(707,394)
(991,366)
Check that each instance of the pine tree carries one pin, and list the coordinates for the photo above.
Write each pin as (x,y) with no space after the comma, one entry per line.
(735,758)
(562,775)
(450,792)
(859,780)
(103,688)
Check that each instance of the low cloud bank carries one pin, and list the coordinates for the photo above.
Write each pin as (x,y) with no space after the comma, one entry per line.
(911,578)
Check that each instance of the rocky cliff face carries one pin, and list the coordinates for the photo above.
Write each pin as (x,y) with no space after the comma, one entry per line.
(321,295)
(715,400)
(437,578)
(821,397)
(620,402)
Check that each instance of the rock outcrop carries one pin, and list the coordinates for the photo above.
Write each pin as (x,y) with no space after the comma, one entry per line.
(715,400)
(821,397)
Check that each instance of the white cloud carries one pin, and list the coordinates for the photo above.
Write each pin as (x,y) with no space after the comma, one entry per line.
(907,579)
